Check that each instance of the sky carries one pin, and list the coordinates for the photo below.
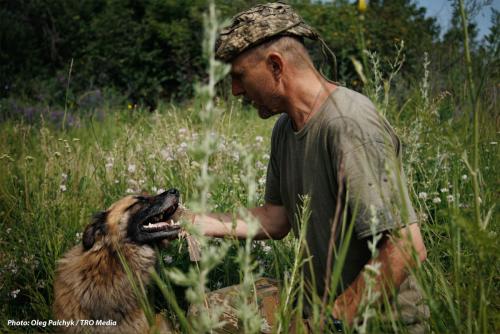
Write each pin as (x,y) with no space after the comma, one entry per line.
(442,9)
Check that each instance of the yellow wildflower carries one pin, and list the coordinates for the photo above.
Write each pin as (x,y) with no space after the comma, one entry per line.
(362,6)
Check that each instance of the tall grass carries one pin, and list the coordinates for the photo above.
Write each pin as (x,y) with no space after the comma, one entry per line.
(216,153)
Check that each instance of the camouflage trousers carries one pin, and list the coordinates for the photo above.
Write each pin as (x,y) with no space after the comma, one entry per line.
(408,306)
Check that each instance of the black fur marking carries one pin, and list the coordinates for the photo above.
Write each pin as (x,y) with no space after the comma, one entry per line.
(98,225)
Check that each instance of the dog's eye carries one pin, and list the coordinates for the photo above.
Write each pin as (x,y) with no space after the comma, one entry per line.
(144,199)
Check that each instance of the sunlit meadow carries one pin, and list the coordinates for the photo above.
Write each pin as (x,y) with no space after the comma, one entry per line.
(216,153)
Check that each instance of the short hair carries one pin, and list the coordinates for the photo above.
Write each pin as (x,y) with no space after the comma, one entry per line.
(291,47)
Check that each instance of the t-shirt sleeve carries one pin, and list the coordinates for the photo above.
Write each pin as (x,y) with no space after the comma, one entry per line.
(272,194)
(375,184)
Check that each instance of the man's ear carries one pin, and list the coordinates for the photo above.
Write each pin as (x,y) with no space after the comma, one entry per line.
(97,226)
(275,64)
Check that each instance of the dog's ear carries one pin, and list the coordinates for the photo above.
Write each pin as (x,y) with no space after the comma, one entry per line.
(97,226)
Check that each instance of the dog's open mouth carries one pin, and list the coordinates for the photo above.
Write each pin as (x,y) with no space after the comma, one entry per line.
(161,221)
(154,220)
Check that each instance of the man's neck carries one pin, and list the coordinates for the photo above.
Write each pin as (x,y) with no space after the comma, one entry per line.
(306,98)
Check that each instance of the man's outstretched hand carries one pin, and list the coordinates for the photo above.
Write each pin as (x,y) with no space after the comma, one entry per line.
(182,214)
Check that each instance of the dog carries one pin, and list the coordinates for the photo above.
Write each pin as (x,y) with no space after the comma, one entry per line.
(92,292)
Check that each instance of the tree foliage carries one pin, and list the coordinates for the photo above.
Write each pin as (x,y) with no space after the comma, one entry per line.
(149,50)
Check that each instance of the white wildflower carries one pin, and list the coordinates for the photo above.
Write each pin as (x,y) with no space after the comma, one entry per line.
(235,156)
(62,187)
(450,198)
(8,230)
(182,131)
(444,190)
(166,154)
(373,268)
(436,200)
(64,177)
(12,266)
(168,259)
(182,147)
(161,190)
(423,216)
(129,191)
(221,146)
(465,177)
(493,143)
(422,195)
(14,293)
(262,181)
(259,139)
(266,249)
(133,183)
(154,189)
(131,168)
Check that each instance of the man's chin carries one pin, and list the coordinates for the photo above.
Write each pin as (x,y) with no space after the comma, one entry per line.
(265,113)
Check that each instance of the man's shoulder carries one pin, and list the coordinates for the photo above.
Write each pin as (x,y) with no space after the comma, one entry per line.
(354,94)
(348,108)
(353,115)
(349,103)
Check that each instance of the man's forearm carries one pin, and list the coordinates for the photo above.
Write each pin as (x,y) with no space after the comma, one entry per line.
(395,257)
(271,219)
(220,225)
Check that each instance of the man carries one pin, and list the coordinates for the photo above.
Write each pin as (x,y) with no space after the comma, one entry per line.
(330,144)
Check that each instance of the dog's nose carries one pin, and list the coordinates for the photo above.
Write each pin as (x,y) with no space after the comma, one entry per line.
(173,191)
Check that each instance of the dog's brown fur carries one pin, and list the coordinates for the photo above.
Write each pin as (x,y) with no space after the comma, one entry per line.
(91,282)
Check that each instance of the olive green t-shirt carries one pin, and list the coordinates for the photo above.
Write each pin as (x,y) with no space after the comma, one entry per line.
(345,142)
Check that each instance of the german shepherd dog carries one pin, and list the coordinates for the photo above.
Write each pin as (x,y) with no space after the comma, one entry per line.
(91,282)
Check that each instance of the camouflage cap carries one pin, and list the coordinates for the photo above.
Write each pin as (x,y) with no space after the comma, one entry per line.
(258,24)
